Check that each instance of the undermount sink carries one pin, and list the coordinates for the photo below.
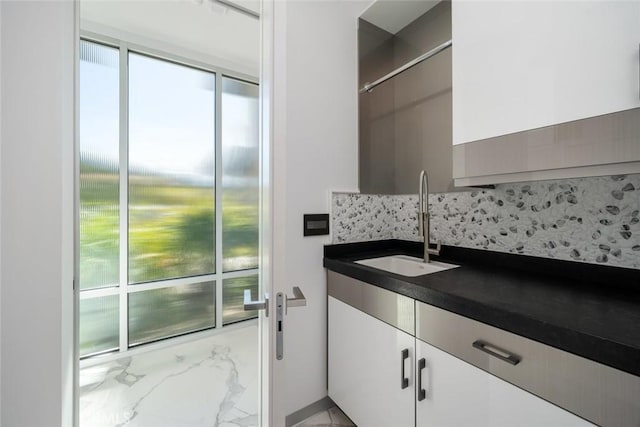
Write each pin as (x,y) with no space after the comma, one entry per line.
(405,265)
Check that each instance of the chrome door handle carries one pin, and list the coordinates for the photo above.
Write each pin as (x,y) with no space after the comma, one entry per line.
(298,300)
(250,305)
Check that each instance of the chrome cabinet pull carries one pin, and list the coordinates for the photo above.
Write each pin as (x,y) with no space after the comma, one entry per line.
(404,356)
(422,393)
(498,352)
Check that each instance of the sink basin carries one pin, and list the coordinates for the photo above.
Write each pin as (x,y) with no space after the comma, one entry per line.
(405,265)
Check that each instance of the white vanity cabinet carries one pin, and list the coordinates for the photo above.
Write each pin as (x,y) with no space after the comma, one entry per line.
(394,361)
(371,368)
(542,85)
(459,394)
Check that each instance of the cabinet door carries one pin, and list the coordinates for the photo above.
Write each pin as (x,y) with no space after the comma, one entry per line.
(366,368)
(459,394)
(523,65)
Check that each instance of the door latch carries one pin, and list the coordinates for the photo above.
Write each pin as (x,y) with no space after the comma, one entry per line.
(282,304)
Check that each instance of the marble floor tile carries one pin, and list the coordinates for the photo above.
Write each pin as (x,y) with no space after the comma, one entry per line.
(209,382)
(332,417)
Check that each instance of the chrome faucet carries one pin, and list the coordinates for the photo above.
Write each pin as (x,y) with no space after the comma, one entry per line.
(423,217)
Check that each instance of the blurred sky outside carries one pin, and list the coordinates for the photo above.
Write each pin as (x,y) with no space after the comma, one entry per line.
(99,131)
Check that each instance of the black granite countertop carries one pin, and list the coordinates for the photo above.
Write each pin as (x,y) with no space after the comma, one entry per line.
(586,309)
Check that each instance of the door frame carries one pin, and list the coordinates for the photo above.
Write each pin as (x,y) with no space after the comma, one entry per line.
(273,207)
(272,380)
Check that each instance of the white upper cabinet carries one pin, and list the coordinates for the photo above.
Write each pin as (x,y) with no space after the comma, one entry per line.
(545,89)
(521,65)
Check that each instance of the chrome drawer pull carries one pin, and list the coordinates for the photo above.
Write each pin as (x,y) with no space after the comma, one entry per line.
(498,352)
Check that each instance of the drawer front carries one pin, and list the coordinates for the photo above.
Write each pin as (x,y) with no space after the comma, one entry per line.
(396,310)
(596,392)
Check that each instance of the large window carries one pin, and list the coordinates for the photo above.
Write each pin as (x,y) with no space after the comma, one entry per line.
(168,198)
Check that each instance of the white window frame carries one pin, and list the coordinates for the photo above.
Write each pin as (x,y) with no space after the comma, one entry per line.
(124,288)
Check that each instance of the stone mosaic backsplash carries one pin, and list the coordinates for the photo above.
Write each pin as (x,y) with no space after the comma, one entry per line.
(595,220)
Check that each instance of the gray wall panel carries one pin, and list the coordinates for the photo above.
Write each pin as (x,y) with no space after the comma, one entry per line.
(405,123)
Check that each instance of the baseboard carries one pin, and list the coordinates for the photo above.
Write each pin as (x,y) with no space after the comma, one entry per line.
(304,413)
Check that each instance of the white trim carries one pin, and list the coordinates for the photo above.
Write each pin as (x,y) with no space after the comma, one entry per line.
(240,273)
(218,198)
(171,283)
(193,56)
(167,56)
(274,79)
(266,326)
(123,203)
(344,191)
(98,293)
(75,376)
(168,283)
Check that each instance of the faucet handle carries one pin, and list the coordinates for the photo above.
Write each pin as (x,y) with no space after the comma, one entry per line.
(435,251)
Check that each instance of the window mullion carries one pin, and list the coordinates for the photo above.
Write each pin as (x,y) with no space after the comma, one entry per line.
(218,199)
(124,197)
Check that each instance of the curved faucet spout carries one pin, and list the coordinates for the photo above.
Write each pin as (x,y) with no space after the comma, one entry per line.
(423,216)
(423,197)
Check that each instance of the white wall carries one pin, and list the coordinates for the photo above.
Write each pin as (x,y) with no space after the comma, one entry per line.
(321,155)
(36,211)
(37,58)
(0,214)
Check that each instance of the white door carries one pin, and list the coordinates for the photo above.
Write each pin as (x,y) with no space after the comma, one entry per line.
(272,372)
(459,394)
(371,368)
(180,105)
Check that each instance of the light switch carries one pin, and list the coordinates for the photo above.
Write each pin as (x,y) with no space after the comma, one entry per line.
(316,224)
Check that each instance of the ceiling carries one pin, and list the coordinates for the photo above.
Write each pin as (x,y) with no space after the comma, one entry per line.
(213,29)
(394,15)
